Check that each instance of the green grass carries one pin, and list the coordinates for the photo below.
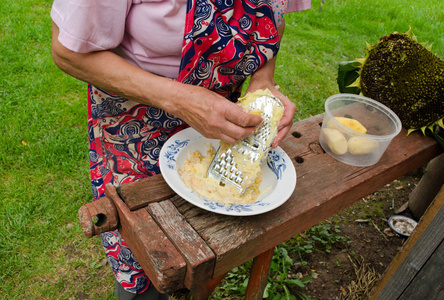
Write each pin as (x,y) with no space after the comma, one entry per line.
(44,167)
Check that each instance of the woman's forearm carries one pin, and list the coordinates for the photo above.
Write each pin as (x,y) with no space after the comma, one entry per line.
(112,73)
(206,111)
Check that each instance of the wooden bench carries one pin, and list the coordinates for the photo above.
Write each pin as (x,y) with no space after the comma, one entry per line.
(182,246)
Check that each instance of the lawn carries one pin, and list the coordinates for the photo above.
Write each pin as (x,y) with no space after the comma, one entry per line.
(43,142)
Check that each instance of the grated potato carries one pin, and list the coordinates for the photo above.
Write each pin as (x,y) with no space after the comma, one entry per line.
(194,176)
(194,173)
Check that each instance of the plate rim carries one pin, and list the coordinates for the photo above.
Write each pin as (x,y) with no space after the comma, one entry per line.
(389,221)
(189,135)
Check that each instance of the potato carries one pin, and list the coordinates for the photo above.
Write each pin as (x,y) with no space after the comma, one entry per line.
(350,123)
(335,140)
(362,145)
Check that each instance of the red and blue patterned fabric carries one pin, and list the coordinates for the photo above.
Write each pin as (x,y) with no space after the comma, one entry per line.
(125,139)
(224,44)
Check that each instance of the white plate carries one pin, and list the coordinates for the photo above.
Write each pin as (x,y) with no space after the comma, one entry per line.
(402,225)
(278,174)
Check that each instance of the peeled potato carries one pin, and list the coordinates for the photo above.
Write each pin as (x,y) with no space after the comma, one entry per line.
(350,123)
(361,145)
(335,140)
(256,112)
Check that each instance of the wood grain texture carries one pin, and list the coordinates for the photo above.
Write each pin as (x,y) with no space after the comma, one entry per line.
(153,250)
(140,193)
(204,292)
(428,283)
(198,256)
(98,217)
(259,275)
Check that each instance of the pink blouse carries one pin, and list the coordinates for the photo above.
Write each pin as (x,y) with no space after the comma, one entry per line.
(298,5)
(122,26)
(147,33)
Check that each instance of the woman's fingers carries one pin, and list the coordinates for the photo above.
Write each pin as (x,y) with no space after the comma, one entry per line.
(239,117)
(236,124)
(286,122)
(216,117)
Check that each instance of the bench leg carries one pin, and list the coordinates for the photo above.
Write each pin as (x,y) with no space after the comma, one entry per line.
(256,283)
(204,292)
(259,275)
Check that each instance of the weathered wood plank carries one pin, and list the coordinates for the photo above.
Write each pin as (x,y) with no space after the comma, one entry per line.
(258,275)
(155,253)
(140,193)
(428,283)
(198,256)
(98,217)
(204,292)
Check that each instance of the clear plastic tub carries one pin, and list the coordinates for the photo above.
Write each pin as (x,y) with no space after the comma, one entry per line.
(346,118)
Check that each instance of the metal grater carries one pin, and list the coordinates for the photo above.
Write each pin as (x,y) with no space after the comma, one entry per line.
(223,167)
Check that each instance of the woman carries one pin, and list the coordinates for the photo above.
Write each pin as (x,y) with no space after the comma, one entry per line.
(154,67)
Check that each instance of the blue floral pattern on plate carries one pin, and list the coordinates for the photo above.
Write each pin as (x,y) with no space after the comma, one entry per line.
(238,208)
(279,176)
(276,163)
(172,152)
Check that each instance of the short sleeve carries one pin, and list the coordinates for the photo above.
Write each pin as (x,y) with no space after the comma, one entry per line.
(90,25)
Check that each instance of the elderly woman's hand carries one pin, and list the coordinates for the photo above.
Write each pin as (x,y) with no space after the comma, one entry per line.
(212,115)
(286,122)
(264,80)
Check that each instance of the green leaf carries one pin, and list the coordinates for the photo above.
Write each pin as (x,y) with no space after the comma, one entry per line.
(288,296)
(283,251)
(306,279)
(288,260)
(273,267)
(348,72)
(438,134)
(267,288)
(297,282)
(245,283)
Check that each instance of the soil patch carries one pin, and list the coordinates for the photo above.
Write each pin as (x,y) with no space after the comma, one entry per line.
(351,269)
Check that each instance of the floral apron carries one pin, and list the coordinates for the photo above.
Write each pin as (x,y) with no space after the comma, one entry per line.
(224,42)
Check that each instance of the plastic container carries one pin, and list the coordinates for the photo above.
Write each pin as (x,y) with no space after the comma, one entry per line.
(353,146)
